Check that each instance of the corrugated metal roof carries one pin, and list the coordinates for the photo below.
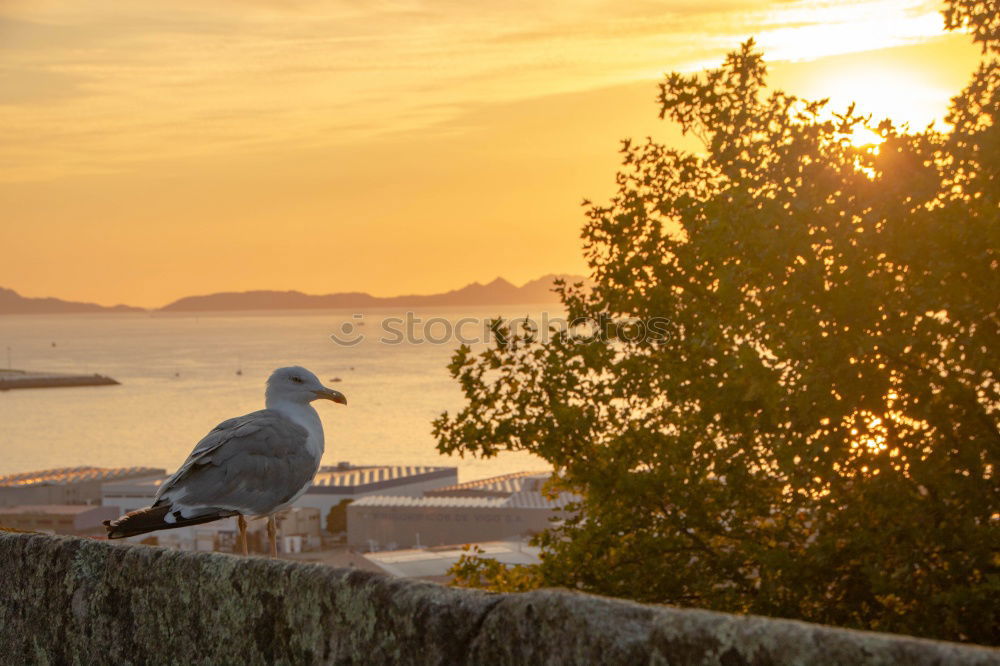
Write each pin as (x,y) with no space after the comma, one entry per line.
(451,502)
(360,476)
(503,485)
(523,500)
(70,475)
(145,484)
(533,500)
(54,509)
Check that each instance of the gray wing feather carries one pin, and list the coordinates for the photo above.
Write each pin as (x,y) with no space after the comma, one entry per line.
(252,463)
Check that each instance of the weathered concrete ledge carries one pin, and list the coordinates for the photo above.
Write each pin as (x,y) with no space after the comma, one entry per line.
(75,601)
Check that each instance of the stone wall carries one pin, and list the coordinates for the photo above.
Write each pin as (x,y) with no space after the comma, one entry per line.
(76,601)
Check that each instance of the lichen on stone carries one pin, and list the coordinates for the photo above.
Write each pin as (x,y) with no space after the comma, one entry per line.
(79,601)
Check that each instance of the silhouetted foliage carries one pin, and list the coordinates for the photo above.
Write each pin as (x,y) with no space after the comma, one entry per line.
(336,517)
(818,438)
(474,570)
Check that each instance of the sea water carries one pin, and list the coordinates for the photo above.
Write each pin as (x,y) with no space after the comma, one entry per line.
(181,374)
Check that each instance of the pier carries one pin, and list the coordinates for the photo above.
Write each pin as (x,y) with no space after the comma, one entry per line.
(22,379)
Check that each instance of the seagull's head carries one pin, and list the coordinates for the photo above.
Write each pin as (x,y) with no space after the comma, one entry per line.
(296,384)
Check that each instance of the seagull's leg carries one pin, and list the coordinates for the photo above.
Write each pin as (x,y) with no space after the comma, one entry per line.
(243,532)
(272,536)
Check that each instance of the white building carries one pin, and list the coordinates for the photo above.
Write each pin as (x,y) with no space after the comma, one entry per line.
(65,485)
(509,507)
(76,519)
(344,481)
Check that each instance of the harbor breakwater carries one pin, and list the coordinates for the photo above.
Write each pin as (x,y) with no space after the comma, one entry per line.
(23,379)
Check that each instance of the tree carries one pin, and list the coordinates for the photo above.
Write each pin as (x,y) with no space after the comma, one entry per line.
(817,437)
(336,517)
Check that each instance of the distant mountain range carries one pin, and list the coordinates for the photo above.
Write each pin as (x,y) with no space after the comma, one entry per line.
(13,303)
(497,292)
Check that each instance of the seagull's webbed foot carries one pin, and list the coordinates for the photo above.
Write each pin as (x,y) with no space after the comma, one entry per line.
(242,522)
(272,536)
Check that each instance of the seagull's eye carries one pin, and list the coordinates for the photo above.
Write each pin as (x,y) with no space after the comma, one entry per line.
(297,380)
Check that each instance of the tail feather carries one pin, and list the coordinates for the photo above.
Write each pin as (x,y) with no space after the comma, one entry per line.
(153,518)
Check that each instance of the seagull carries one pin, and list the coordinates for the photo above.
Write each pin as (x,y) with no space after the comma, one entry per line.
(254,465)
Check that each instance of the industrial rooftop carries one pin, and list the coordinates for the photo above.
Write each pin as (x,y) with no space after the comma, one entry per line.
(70,475)
(495,486)
(520,490)
(53,509)
(404,500)
(344,475)
(523,500)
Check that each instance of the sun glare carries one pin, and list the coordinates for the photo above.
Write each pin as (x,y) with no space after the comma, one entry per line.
(893,93)
(864,137)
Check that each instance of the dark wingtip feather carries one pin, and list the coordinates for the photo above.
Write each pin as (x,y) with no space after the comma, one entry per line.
(152,519)
(136,522)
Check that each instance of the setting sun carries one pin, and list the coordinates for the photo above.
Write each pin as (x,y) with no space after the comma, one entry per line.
(887,92)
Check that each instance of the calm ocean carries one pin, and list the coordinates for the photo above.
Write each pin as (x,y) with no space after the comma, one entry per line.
(179,379)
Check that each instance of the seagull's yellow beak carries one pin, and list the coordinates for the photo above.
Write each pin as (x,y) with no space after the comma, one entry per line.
(329,394)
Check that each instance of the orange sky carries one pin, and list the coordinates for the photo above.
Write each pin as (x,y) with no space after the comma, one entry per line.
(160,148)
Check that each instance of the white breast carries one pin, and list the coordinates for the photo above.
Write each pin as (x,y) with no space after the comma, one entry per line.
(305,416)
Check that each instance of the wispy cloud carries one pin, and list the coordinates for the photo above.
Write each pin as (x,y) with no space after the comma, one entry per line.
(105,85)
